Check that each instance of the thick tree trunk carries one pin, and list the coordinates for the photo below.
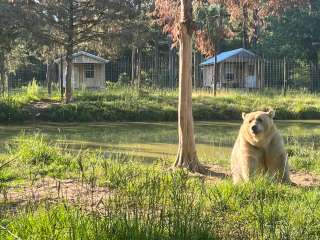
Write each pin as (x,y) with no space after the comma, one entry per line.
(187,154)
(61,77)
(256,26)
(245,26)
(68,90)
(2,75)
(3,80)
(50,75)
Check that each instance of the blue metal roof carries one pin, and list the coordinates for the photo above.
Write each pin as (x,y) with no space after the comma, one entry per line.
(226,55)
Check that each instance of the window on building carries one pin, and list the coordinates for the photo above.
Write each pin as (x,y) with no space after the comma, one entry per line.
(89,70)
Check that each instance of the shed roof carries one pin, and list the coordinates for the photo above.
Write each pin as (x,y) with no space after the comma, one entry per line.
(87,55)
(241,52)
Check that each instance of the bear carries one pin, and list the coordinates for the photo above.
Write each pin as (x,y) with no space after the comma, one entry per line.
(259,149)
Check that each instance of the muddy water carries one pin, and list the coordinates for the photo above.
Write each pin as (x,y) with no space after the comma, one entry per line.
(154,141)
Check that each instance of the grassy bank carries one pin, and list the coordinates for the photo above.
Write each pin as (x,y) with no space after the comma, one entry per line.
(148,202)
(128,104)
(144,201)
(171,206)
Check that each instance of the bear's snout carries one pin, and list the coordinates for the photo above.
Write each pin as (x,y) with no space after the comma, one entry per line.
(254,129)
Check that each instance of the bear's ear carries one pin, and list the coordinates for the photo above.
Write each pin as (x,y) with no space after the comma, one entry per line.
(244,115)
(271,113)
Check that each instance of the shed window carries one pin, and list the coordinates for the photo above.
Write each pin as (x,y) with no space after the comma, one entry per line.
(89,70)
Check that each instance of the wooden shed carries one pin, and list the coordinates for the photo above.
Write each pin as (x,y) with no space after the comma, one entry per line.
(238,68)
(88,70)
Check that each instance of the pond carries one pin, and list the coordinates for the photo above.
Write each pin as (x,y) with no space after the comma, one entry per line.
(154,141)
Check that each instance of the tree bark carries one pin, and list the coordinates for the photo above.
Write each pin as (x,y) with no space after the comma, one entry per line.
(50,76)
(61,77)
(2,75)
(187,154)
(245,26)
(255,27)
(69,48)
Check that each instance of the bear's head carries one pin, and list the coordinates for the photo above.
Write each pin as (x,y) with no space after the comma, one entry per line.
(258,125)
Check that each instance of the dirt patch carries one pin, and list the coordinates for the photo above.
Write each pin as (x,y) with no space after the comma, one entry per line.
(305,179)
(36,108)
(301,179)
(91,197)
(53,190)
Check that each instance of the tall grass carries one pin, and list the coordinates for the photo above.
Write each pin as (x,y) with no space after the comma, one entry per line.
(149,202)
(173,206)
(124,103)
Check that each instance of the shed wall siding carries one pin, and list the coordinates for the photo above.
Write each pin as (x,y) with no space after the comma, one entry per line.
(99,76)
(79,79)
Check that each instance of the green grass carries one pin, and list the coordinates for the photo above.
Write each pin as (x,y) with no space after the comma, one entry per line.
(148,201)
(162,205)
(120,103)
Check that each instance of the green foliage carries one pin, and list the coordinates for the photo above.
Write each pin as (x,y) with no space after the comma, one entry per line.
(292,34)
(33,90)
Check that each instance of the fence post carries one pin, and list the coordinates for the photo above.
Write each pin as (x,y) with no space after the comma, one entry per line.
(284,77)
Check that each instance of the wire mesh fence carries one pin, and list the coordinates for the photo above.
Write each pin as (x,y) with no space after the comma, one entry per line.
(24,75)
(260,73)
(161,71)
(241,72)
(246,73)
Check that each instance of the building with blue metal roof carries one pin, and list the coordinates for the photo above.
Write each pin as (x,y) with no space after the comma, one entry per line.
(238,68)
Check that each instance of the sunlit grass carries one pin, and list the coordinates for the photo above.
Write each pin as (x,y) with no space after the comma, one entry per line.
(127,103)
(148,201)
